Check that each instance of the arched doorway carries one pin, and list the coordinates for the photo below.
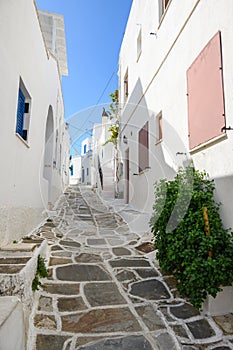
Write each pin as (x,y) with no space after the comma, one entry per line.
(48,153)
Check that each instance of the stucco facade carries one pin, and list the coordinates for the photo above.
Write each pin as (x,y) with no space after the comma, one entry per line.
(76,170)
(103,159)
(175,83)
(156,55)
(34,166)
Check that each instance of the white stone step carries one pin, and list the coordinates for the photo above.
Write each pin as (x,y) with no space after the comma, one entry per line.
(12,336)
(107,195)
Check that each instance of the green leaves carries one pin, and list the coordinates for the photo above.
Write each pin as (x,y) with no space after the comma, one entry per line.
(114,110)
(41,272)
(114,129)
(183,248)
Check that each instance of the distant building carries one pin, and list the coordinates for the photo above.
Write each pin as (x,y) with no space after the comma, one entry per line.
(75,170)
(103,159)
(53,28)
(34,139)
(86,145)
(86,161)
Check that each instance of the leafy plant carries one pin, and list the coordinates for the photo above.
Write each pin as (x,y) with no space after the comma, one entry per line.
(189,236)
(41,272)
(113,113)
(114,129)
(114,105)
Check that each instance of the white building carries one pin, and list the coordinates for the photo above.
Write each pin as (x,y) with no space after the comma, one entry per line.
(175,83)
(75,170)
(86,161)
(86,145)
(157,68)
(103,159)
(34,139)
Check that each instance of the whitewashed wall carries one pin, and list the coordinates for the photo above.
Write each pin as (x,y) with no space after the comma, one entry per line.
(23,188)
(77,170)
(105,154)
(157,82)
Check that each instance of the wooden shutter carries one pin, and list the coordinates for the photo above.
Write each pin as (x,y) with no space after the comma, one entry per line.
(206,111)
(143,148)
(20,113)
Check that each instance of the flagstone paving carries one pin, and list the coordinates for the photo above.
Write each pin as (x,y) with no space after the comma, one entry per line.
(105,290)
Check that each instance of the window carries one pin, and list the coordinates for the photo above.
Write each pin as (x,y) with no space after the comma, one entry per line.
(23,112)
(159,128)
(206,115)
(126,86)
(85,149)
(59,159)
(56,150)
(143,151)
(139,44)
(87,171)
(163,4)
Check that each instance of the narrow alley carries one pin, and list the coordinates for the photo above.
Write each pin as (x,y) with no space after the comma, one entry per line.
(103,293)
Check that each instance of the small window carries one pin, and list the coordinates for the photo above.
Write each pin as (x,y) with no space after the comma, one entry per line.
(139,44)
(126,86)
(23,112)
(85,149)
(143,144)
(56,149)
(71,170)
(59,159)
(87,171)
(163,4)
(159,128)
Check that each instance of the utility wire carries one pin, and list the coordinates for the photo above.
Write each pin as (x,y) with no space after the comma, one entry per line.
(93,109)
(99,99)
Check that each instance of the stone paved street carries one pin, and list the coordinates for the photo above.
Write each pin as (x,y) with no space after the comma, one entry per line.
(103,293)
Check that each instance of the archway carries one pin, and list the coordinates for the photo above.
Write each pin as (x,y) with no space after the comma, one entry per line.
(48,152)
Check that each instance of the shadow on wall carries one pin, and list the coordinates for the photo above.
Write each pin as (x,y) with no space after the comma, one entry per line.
(151,150)
(224,195)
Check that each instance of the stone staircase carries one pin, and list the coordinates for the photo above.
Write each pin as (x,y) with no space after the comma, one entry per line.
(18,265)
(108,183)
(11,318)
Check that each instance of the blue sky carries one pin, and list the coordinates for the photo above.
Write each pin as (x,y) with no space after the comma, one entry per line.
(94,32)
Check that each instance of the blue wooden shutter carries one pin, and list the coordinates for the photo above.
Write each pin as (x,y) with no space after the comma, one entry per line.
(20,113)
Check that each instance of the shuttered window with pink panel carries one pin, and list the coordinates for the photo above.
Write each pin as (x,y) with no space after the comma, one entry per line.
(206,115)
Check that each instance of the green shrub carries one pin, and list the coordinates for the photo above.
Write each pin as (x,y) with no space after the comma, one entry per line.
(201,261)
(41,272)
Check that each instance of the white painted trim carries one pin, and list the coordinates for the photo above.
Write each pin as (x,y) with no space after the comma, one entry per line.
(208,144)
(21,139)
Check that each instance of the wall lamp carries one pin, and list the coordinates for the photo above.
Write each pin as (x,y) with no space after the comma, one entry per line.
(226,128)
(125,139)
